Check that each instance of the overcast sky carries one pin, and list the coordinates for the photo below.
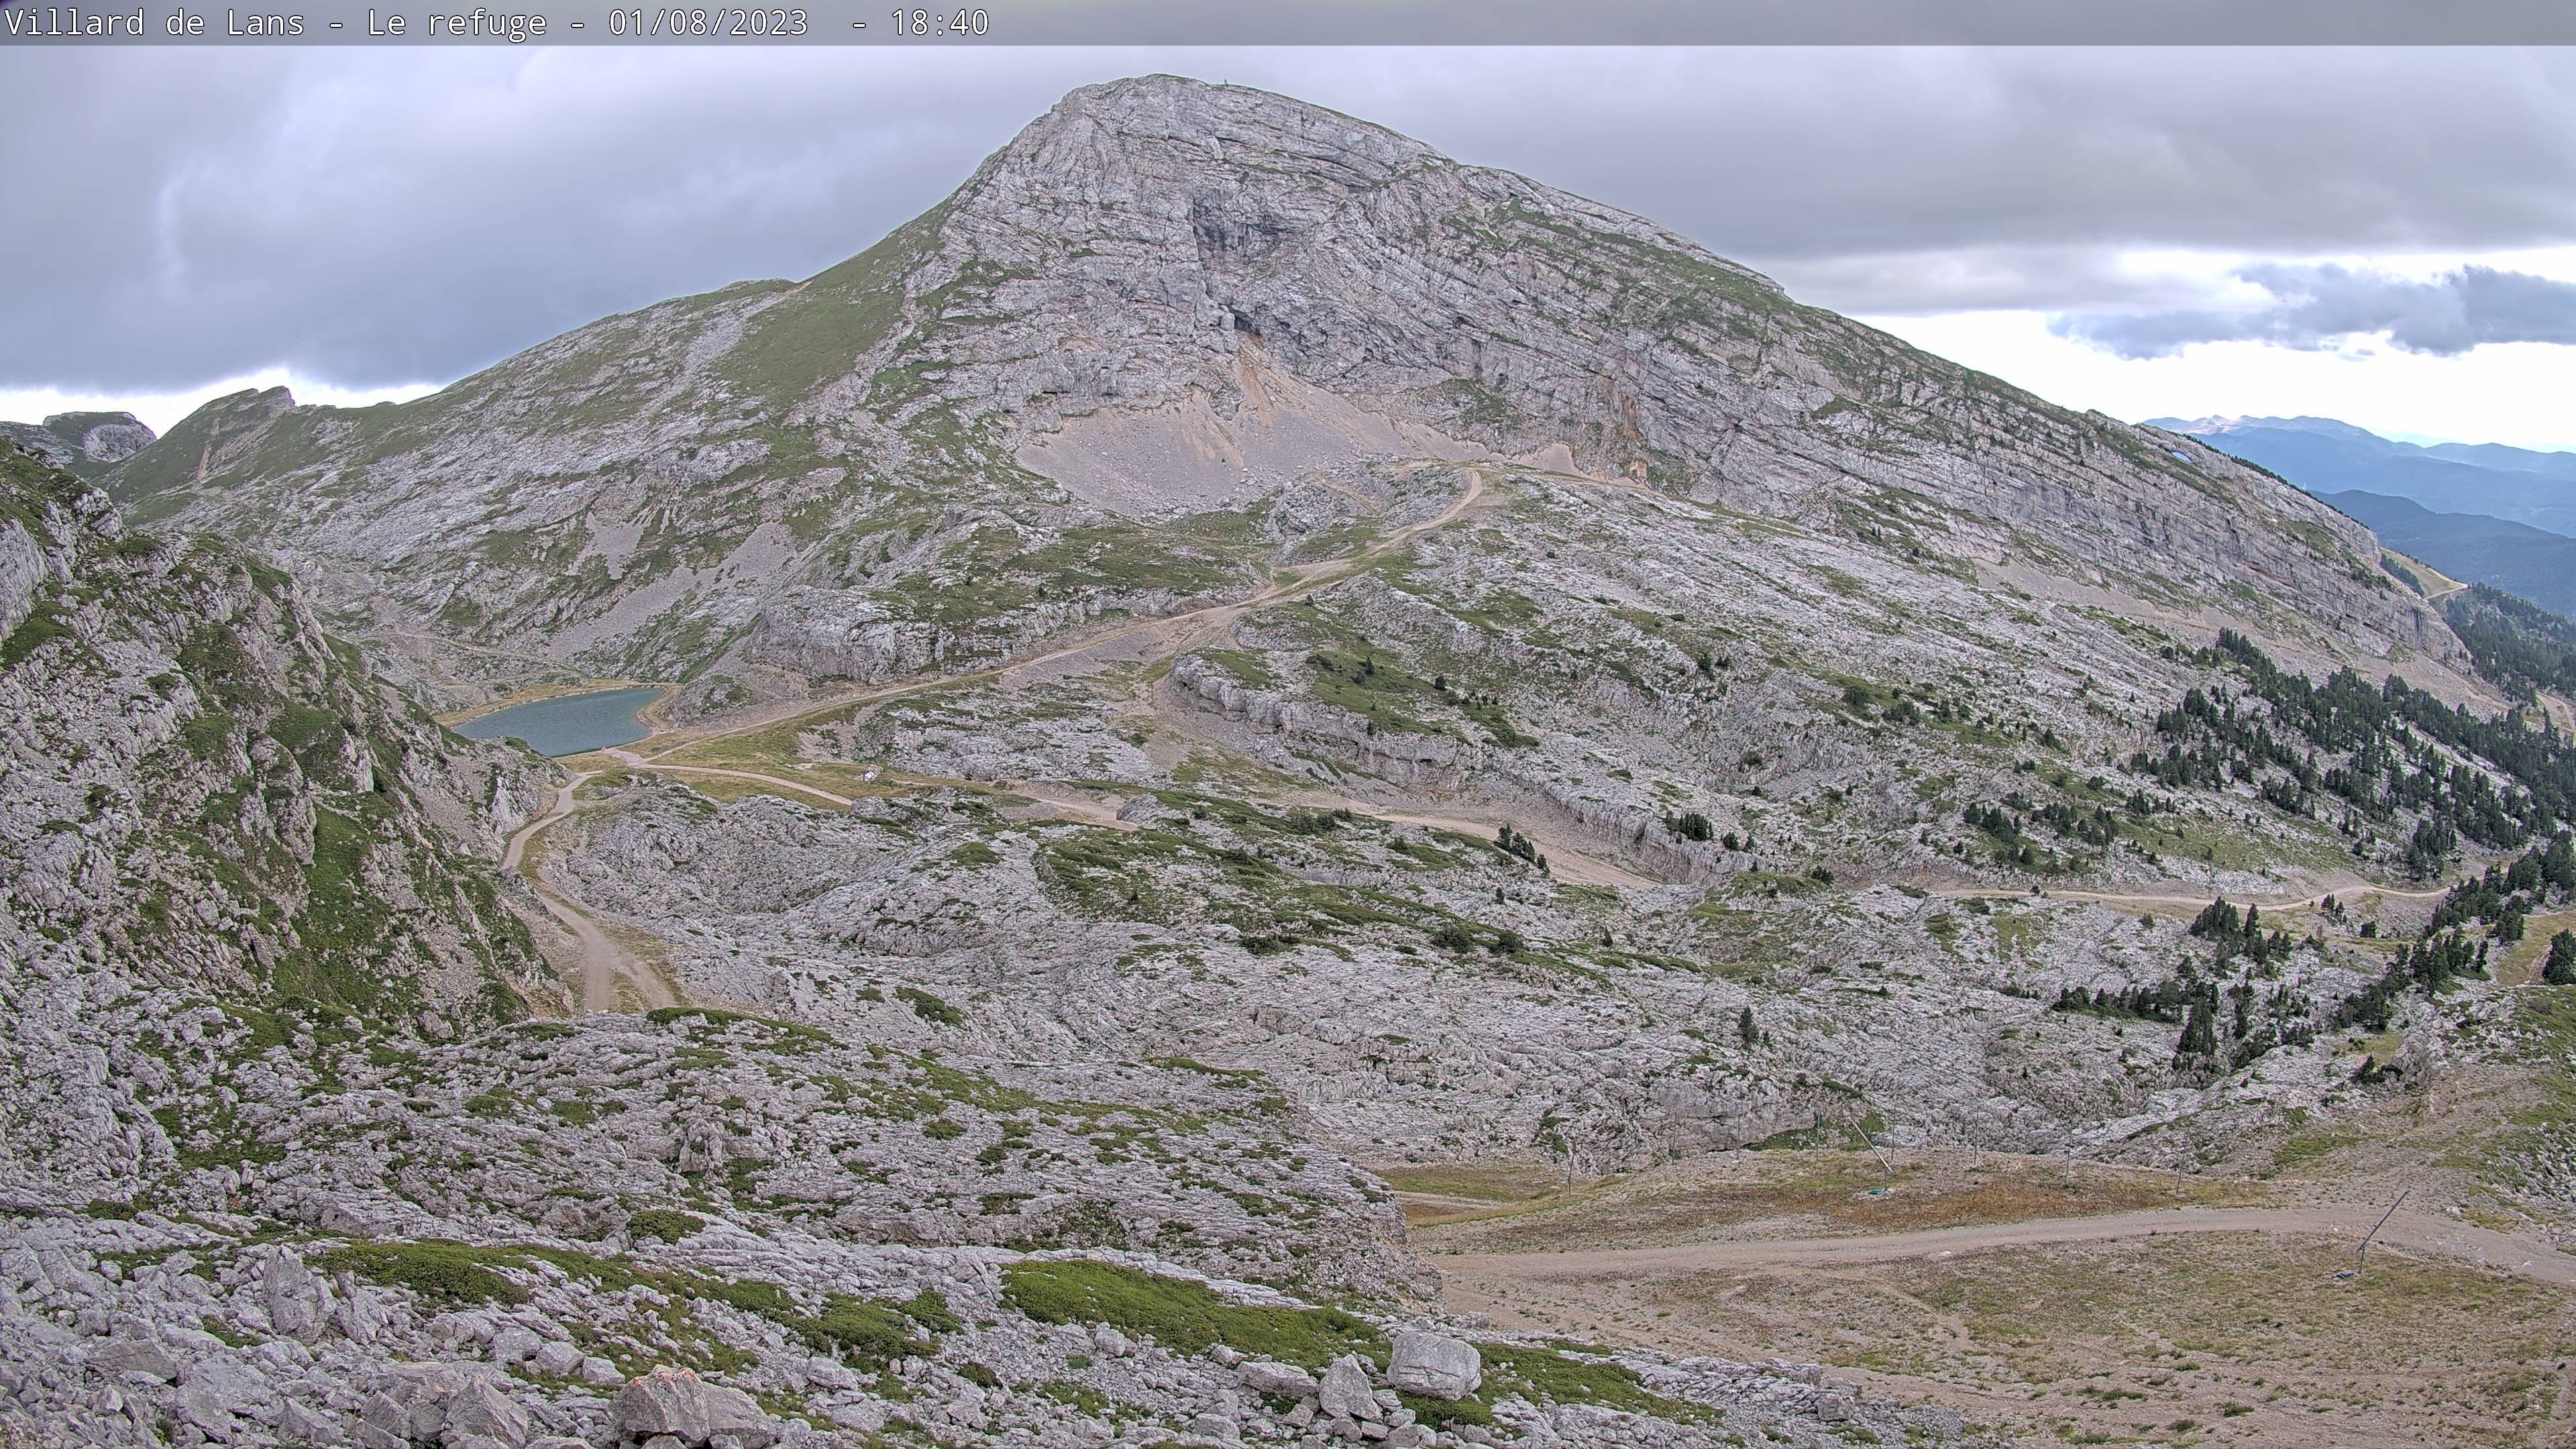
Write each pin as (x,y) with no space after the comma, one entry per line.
(2388,237)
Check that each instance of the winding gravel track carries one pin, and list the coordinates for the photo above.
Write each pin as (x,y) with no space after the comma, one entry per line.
(603,964)
(2418,1234)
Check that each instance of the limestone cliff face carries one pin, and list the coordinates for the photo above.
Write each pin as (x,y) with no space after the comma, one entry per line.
(82,444)
(202,789)
(1168,300)
(1179,254)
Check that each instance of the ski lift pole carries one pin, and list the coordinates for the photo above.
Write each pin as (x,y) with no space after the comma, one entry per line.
(2361,1257)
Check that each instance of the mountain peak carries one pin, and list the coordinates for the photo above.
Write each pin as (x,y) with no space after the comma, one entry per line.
(2215,426)
(85,444)
(1165,299)
(1214,120)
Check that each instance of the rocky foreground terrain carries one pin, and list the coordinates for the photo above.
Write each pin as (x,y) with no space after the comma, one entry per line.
(1231,659)
(285,1176)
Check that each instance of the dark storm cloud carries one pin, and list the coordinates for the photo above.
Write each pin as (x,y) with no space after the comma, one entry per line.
(368,218)
(2317,307)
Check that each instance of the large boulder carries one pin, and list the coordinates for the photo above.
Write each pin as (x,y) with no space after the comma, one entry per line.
(666,1401)
(1347,1393)
(513,1342)
(675,1401)
(294,1298)
(1282,1380)
(479,1408)
(357,1312)
(1434,1365)
(416,1399)
(217,1387)
(135,1356)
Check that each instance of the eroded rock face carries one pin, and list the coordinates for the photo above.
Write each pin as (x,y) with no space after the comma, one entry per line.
(84,444)
(198,785)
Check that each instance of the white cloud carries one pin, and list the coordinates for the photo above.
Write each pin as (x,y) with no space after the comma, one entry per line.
(372,217)
(158,410)
(2511,393)
(2313,306)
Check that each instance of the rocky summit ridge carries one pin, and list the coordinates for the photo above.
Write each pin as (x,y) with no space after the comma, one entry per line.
(83,444)
(1164,299)
(1233,666)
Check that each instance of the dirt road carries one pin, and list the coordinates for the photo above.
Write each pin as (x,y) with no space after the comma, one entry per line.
(2419,1234)
(1293,583)
(628,757)
(606,967)
(1564,862)
(2275,903)
(603,965)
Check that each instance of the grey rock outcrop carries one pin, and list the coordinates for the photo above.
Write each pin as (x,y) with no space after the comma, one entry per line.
(295,1299)
(138,1356)
(479,1408)
(1434,1365)
(1286,1380)
(1346,1392)
(675,1402)
(83,444)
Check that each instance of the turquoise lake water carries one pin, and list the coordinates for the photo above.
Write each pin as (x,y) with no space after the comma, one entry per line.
(568,724)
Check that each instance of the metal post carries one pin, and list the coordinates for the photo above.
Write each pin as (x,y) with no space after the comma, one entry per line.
(2361,1258)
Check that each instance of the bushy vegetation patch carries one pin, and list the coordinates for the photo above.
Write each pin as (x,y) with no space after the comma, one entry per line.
(449,1274)
(1184,1317)
(667,1225)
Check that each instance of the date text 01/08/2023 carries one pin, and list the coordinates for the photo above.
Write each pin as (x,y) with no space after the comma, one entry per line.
(732,24)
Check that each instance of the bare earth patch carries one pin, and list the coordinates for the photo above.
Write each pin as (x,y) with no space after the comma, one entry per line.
(2219,1339)
(2185,1337)
(1779,1195)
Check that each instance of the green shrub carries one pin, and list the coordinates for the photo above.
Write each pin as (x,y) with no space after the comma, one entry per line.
(930,1008)
(668,1225)
(1446,1413)
(1184,1317)
(42,625)
(929,1308)
(865,1331)
(2560,968)
(440,1272)
(1546,1376)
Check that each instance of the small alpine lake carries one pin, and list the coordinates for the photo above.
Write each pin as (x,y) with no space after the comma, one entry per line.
(568,724)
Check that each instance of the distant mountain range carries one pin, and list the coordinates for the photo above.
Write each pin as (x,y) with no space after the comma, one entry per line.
(2480,512)
(2323,456)
(2519,559)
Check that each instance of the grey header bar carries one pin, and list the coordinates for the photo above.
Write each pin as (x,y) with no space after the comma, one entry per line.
(1329,22)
